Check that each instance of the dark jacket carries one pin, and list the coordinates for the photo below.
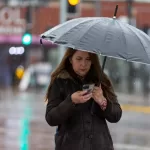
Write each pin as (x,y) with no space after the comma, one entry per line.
(78,129)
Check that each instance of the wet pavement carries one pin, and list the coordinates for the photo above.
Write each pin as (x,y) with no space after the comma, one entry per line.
(23,125)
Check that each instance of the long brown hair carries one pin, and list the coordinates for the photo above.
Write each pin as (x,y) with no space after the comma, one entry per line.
(96,68)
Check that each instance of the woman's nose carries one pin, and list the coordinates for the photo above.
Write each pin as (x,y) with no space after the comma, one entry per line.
(83,63)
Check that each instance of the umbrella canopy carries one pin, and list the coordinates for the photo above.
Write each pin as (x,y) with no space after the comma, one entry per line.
(102,35)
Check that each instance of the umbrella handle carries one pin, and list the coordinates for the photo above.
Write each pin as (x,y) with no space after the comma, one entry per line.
(93,103)
(116,9)
(104,62)
(103,66)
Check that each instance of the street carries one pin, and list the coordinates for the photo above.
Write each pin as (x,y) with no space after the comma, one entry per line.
(34,37)
(23,125)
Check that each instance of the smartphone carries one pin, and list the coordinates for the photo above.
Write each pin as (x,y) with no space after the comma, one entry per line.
(88,87)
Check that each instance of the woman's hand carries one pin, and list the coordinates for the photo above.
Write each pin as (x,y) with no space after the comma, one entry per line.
(80,97)
(98,97)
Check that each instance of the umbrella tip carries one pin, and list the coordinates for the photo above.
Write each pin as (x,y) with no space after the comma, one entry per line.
(115,13)
(41,42)
(43,36)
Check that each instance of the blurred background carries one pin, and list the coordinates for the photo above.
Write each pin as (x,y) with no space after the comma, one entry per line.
(25,68)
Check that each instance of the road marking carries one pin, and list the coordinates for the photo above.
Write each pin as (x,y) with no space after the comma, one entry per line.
(25,128)
(133,108)
(129,147)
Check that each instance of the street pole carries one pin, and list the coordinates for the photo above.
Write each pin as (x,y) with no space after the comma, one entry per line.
(63,18)
(97,8)
(131,67)
(129,11)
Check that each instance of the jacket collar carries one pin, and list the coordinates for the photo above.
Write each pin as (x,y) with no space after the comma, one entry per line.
(70,74)
(64,74)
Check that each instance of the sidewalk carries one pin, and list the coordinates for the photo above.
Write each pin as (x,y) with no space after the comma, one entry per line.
(134,103)
(135,99)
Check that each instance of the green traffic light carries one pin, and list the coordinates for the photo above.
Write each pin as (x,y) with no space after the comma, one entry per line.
(26,39)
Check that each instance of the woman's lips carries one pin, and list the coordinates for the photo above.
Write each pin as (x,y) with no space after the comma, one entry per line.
(83,70)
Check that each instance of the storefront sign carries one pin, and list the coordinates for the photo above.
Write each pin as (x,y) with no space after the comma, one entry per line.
(11,21)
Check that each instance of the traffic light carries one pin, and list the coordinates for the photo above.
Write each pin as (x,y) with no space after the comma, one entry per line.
(26,38)
(19,72)
(73,2)
(72,6)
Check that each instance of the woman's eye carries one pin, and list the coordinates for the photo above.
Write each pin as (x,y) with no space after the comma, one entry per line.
(88,59)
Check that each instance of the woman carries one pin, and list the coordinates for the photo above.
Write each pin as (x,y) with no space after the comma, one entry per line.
(69,107)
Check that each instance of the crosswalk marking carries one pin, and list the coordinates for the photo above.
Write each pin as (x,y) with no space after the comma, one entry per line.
(134,108)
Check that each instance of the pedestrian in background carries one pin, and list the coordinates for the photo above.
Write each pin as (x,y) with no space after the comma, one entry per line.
(69,107)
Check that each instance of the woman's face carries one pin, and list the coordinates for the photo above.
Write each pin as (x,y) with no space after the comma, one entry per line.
(81,63)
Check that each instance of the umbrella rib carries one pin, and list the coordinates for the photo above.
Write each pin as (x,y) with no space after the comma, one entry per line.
(138,39)
(73,28)
(56,27)
(124,38)
(97,21)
